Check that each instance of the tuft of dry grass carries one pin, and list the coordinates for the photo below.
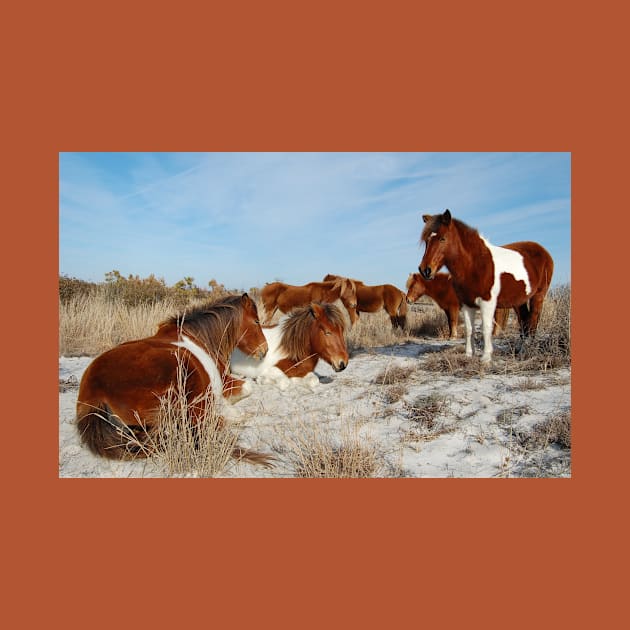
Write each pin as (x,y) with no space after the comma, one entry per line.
(425,409)
(453,361)
(554,430)
(315,451)
(182,448)
(394,393)
(394,374)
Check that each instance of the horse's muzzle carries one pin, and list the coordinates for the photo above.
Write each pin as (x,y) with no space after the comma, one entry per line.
(339,367)
(427,273)
(261,352)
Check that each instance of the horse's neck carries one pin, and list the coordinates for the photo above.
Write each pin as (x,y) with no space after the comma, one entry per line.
(173,333)
(470,252)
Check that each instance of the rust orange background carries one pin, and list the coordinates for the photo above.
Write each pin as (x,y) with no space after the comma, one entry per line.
(297,76)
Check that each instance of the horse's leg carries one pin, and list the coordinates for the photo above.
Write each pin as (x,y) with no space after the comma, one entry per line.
(299,369)
(523,315)
(535,309)
(235,389)
(453,315)
(500,320)
(487,321)
(469,320)
(353,314)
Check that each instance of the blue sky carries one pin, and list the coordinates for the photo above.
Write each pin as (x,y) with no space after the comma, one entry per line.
(249,218)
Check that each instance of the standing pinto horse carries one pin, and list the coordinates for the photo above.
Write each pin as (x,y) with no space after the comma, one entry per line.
(485,276)
(118,399)
(285,297)
(371,299)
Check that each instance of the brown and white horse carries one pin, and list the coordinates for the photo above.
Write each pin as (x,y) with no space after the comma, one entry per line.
(439,289)
(296,344)
(486,276)
(285,297)
(120,390)
(373,298)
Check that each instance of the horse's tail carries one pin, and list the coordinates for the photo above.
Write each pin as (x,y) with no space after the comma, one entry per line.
(253,457)
(106,435)
(399,320)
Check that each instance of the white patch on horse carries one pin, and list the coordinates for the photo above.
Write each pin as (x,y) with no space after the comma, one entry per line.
(244,365)
(507,261)
(208,363)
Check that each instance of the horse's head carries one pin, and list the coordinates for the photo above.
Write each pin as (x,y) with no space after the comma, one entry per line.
(415,287)
(348,293)
(251,339)
(327,335)
(436,235)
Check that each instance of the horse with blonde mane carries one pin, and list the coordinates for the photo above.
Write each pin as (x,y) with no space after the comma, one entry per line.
(278,296)
(296,344)
(486,276)
(373,298)
(120,392)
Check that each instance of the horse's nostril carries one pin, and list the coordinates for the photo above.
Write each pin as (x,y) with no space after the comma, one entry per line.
(342,366)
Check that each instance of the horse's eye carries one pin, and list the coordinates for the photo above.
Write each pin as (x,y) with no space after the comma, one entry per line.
(327,332)
(442,239)
(257,321)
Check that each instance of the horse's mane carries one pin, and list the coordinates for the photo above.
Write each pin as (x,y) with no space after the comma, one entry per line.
(340,282)
(214,324)
(436,220)
(296,329)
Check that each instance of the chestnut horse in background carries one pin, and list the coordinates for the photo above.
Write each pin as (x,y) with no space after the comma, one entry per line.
(486,276)
(118,399)
(371,299)
(296,344)
(277,296)
(440,290)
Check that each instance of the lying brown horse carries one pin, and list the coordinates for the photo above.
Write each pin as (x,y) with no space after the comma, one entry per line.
(296,344)
(118,399)
(486,276)
(440,289)
(277,296)
(371,299)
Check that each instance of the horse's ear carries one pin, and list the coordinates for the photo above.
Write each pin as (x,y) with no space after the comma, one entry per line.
(316,310)
(446,217)
(426,218)
(245,298)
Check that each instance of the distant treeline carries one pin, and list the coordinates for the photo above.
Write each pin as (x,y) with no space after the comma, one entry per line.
(134,290)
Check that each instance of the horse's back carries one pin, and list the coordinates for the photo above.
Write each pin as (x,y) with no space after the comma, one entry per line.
(133,375)
(538,263)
